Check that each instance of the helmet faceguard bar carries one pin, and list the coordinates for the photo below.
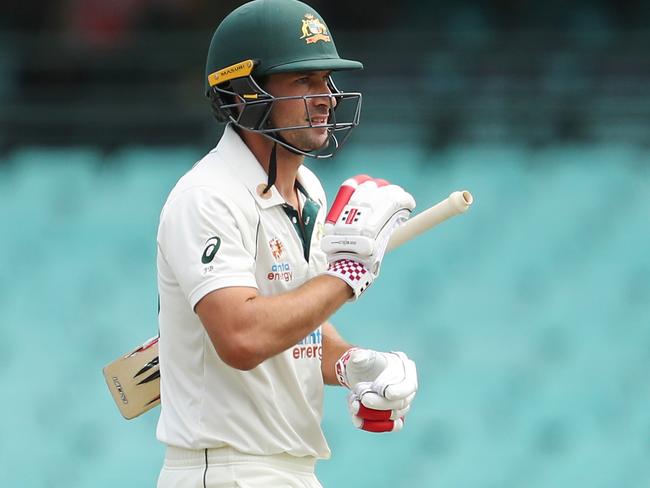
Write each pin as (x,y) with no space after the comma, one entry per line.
(261,124)
(250,108)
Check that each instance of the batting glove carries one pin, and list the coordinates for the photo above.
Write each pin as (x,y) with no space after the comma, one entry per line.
(382,386)
(365,213)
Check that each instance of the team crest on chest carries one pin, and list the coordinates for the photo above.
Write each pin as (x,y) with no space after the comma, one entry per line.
(281,269)
(313,30)
(277,248)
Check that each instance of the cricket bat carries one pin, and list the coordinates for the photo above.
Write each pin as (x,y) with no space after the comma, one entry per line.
(134,379)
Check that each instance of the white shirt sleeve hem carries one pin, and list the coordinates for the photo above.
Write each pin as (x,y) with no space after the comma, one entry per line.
(204,288)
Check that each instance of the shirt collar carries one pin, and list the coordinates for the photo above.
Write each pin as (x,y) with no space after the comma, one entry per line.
(236,153)
(244,164)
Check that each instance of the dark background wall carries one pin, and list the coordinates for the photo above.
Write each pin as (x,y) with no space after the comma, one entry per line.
(131,71)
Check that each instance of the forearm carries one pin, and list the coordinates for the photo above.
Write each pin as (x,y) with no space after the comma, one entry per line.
(247,328)
(280,321)
(334,346)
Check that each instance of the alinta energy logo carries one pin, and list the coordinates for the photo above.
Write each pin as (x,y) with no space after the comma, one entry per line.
(311,347)
(212,246)
(280,272)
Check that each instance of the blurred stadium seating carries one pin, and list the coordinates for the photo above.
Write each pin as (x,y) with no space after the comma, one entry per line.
(528,317)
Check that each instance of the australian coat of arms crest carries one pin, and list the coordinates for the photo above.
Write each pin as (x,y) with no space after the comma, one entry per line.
(313,30)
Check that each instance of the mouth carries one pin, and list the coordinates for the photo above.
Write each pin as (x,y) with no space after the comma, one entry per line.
(318,120)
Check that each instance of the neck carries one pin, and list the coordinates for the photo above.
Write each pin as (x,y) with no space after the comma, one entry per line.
(287,166)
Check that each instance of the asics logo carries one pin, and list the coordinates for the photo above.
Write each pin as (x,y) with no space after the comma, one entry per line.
(212,246)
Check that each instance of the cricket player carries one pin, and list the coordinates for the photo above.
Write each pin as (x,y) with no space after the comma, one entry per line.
(251,265)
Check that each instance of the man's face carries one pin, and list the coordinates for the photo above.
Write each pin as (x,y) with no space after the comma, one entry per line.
(299,112)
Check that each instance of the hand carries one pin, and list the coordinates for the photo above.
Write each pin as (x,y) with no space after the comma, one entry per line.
(365,212)
(382,386)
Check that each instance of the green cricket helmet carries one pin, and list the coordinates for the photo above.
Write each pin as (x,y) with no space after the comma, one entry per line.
(264,37)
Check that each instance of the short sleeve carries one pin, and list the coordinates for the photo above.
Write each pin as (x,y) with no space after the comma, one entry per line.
(207,242)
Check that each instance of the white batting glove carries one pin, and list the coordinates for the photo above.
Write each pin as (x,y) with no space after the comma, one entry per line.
(365,213)
(382,386)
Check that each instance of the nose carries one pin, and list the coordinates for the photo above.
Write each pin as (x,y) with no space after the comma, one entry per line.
(327,99)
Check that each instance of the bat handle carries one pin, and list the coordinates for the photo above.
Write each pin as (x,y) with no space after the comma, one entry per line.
(461,200)
(458,202)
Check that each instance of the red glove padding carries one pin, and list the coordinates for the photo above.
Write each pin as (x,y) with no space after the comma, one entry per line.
(372,420)
(382,385)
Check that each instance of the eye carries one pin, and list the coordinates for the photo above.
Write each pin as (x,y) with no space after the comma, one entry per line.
(303,80)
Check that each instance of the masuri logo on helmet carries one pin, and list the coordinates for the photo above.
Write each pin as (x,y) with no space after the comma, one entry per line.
(238,70)
(289,37)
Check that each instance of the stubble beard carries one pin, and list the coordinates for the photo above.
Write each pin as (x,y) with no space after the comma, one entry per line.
(308,139)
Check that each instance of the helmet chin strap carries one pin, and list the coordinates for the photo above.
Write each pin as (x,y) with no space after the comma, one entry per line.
(273,168)
(273,160)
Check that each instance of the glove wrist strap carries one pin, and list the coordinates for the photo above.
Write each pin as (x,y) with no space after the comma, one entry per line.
(353,273)
(340,365)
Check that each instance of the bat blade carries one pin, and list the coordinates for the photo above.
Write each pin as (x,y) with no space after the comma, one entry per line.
(134,380)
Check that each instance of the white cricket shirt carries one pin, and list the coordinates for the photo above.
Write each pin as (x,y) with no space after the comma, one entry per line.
(217,230)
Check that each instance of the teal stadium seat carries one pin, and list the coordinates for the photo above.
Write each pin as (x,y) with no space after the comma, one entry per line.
(528,317)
